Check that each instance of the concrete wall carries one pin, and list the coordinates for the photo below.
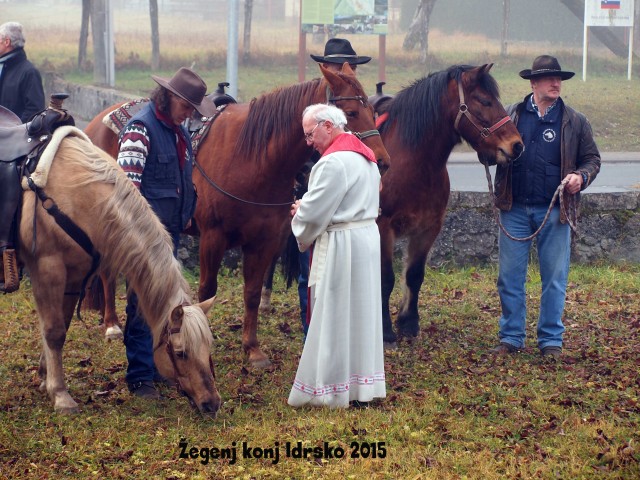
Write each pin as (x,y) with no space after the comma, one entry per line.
(609,226)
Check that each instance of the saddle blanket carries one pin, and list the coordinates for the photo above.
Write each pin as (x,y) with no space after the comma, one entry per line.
(41,173)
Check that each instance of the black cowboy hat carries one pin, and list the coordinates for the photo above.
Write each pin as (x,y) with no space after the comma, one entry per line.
(339,50)
(190,87)
(546,66)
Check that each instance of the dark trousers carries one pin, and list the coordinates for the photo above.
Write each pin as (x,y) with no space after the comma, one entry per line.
(9,200)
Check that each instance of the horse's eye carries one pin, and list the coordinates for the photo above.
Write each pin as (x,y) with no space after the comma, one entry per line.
(485,103)
(351,114)
(181,354)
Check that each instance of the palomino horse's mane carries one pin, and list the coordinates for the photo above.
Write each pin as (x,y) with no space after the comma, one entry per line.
(132,240)
(407,108)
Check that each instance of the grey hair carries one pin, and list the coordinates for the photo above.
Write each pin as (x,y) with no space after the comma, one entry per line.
(13,31)
(322,112)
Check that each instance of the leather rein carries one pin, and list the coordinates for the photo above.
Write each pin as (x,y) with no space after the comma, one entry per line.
(363,100)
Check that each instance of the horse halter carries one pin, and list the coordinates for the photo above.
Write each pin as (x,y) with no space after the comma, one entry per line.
(166,336)
(464,110)
(363,101)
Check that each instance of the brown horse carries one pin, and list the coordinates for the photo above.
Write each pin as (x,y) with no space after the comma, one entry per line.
(423,124)
(249,161)
(94,193)
(247,165)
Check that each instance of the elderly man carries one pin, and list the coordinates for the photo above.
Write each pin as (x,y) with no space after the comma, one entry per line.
(342,360)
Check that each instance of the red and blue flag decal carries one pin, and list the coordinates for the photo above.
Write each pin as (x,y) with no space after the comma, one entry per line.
(610,4)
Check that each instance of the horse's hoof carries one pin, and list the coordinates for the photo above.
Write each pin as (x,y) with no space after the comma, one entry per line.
(390,345)
(113,333)
(67,410)
(263,363)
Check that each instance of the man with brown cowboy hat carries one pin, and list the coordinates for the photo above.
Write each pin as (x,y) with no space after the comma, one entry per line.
(559,148)
(337,51)
(155,153)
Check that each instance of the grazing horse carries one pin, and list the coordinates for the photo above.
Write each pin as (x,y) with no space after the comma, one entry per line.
(421,125)
(248,164)
(96,197)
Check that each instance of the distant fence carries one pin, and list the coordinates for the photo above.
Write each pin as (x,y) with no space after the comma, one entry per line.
(609,226)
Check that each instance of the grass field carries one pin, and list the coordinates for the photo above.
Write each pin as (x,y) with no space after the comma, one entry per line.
(452,410)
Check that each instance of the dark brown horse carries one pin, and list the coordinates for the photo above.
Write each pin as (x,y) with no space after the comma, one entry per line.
(423,124)
(245,176)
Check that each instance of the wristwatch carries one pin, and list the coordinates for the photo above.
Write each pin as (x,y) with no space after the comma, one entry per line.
(585,179)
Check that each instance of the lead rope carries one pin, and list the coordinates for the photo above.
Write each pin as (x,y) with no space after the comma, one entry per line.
(558,193)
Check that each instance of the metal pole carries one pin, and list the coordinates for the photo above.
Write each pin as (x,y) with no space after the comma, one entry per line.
(302,47)
(232,48)
(382,58)
(630,53)
(109,48)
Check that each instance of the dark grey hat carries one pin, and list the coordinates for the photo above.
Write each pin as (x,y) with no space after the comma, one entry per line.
(546,66)
(188,85)
(339,50)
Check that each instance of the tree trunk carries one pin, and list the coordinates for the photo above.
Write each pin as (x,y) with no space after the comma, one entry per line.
(506,7)
(84,33)
(636,26)
(418,34)
(604,34)
(155,35)
(246,45)
(99,31)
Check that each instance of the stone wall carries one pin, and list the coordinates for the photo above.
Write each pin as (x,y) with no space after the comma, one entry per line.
(609,226)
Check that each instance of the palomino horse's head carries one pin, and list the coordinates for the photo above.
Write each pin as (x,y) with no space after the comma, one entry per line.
(345,92)
(481,119)
(183,354)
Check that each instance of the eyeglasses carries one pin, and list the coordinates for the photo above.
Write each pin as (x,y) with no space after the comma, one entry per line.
(309,136)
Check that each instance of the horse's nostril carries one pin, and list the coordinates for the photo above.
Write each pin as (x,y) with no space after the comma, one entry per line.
(209,408)
(518,148)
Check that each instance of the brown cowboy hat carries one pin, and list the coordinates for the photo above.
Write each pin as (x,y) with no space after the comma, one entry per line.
(339,50)
(546,66)
(190,87)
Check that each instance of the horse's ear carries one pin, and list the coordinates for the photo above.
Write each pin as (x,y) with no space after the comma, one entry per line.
(177,315)
(485,68)
(347,70)
(206,305)
(331,77)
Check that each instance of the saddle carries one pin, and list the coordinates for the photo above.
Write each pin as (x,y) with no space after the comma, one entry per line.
(19,140)
(379,99)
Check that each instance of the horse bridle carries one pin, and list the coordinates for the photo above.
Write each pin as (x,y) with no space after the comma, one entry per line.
(463,109)
(362,100)
(166,337)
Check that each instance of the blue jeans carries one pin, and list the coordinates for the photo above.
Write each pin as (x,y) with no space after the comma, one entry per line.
(303,285)
(138,339)
(554,252)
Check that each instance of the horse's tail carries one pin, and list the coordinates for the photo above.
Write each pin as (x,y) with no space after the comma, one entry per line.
(290,260)
(94,296)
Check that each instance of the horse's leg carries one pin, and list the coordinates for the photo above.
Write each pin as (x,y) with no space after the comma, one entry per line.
(267,287)
(113,329)
(54,323)
(387,240)
(212,247)
(418,249)
(254,265)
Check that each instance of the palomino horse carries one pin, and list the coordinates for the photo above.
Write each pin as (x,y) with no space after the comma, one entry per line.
(246,169)
(421,126)
(249,161)
(92,191)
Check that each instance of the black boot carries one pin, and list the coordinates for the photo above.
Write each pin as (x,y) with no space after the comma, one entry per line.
(9,200)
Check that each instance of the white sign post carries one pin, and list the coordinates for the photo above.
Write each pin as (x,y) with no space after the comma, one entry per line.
(607,13)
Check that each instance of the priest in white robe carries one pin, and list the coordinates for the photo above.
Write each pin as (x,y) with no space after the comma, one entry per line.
(342,362)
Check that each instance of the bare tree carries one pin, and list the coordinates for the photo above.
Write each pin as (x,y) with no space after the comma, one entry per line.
(84,33)
(246,46)
(99,32)
(418,34)
(155,35)
(506,6)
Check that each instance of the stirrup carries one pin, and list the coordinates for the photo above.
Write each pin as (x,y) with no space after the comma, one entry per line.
(11,276)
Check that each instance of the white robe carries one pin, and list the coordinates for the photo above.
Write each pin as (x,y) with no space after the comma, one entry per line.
(343,357)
